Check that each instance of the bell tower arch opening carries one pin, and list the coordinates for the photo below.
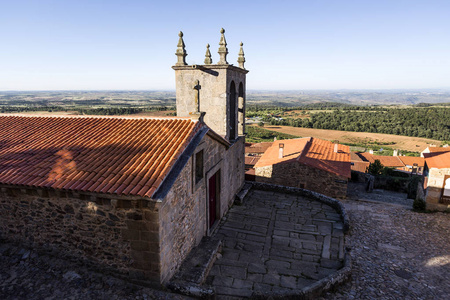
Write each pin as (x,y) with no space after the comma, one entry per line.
(241,110)
(233,111)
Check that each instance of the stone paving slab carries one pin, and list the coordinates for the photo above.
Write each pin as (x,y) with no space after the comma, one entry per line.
(276,243)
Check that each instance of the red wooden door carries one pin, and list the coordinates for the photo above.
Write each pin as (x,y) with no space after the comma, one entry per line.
(212,199)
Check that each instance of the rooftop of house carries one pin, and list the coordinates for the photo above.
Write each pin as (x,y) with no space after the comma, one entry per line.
(439,149)
(123,156)
(411,160)
(251,160)
(387,161)
(257,148)
(310,151)
(437,160)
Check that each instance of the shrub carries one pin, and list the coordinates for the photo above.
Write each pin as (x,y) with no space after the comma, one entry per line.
(375,168)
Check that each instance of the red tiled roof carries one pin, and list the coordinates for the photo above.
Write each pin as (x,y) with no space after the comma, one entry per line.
(439,149)
(411,160)
(314,152)
(124,156)
(360,166)
(257,148)
(387,161)
(251,160)
(355,157)
(437,160)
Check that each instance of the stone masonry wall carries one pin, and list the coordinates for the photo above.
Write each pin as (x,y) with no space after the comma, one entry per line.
(434,185)
(117,236)
(184,211)
(214,80)
(301,176)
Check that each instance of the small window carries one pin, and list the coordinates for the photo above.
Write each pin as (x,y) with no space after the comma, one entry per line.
(198,166)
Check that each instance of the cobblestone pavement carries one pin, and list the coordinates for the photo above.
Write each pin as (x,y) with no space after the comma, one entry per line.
(26,275)
(276,243)
(396,253)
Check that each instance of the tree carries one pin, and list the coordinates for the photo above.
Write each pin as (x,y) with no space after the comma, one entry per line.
(376,167)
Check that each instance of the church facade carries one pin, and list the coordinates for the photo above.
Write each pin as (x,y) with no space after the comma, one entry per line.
(130,195)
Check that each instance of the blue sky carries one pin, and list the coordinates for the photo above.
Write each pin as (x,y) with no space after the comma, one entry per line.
(289,45)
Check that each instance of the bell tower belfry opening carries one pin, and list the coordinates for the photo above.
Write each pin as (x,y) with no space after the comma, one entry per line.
(215,92)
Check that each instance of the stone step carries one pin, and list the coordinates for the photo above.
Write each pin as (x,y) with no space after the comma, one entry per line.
(195,268)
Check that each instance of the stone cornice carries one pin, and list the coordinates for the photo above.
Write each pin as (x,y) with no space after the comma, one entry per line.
(210,67)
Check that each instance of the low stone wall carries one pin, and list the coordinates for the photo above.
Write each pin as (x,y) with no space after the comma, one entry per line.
(117,236)
(298,175)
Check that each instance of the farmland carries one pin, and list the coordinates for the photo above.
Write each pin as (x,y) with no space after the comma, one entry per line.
(413,144)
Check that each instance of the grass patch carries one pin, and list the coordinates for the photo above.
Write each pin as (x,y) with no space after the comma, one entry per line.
(258,134)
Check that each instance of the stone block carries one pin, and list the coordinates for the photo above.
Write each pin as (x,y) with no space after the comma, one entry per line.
(271,278)
(255,277)
(223,281)
(129,234)
(242,284)
(235,272)
(150,236)
(140,245)
(257,268)
(288,282)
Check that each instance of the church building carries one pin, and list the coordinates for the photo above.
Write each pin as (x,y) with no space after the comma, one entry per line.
(131,195)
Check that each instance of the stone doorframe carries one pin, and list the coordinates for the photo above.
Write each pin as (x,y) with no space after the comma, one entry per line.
(218,168)
(445,198)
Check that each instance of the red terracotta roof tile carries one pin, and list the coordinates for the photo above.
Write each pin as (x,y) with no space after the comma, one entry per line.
(257,148)
(439,149)
(251,160)
(411,160)
(314,152)
(387,161)
(129,156)
(437,160)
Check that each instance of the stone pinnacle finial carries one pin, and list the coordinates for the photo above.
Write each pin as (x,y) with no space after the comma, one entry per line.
(241,58)
(181,52)
(223,51)
(208,59)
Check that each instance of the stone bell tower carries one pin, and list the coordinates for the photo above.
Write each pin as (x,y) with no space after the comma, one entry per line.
(214,92)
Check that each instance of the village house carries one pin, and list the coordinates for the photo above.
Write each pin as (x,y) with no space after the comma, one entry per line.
(130,195)
(434,148)
(437,172)
(253,152)
(359,163)
(410,164)
(309,163)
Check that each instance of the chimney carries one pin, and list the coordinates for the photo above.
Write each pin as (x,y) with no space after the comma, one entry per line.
(281,150)
(336,145)
(395,153)
(371,151)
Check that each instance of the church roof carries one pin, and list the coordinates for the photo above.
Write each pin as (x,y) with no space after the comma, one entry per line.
(123,156)
(313,152)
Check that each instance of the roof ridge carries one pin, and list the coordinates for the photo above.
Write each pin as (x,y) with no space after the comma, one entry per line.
(120,117)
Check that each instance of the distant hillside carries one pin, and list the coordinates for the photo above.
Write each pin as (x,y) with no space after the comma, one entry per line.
(391,97)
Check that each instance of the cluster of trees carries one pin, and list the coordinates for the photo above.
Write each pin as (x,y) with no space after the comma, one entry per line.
(431,122)
(257,135)
(88,111)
